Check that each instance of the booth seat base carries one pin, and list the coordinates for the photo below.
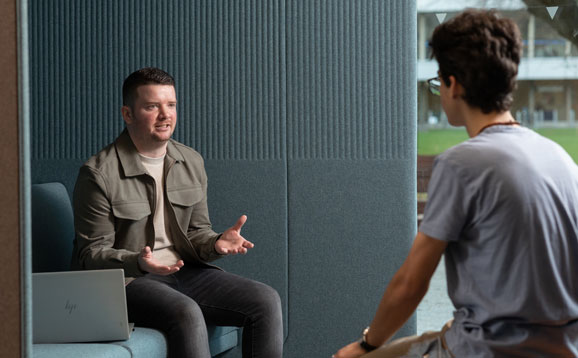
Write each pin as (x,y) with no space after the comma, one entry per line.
(143,343)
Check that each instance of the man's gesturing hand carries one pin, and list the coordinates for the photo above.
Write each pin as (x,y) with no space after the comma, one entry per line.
(147,263)
(231,242)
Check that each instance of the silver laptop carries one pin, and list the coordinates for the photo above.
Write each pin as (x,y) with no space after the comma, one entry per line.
(79,306)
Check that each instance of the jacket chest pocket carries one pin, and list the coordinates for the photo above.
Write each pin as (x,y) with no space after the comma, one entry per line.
(133,211)
(131,223)
(186,197)
(184,202)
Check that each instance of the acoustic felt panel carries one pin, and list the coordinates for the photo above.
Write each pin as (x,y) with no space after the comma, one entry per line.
(351,164)
(349,231)
(351,79)
(62,171)
(257,189)
(227,58)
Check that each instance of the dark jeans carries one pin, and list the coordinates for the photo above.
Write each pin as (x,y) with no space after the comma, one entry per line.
(180,306)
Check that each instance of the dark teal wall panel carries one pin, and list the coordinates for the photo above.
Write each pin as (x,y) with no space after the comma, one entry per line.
(351,114)
(257,189)
(226,56)
(349,232)
(351,79)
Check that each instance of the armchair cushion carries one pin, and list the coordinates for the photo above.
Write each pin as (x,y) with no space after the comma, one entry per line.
(52,228)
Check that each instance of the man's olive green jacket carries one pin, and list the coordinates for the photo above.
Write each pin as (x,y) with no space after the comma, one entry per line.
(114,204)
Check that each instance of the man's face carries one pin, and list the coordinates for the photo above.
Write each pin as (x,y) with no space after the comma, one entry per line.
(153,117)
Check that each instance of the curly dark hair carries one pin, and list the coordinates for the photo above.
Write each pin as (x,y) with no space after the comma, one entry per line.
(482,51)
(144,76)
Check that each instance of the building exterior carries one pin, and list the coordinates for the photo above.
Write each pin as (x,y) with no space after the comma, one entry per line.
(548,74)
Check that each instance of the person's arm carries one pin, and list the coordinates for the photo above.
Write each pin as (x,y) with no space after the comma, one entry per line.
(403,294)
(94,227)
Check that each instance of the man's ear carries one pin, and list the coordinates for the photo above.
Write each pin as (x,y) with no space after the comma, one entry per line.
(455,88)
(126,114)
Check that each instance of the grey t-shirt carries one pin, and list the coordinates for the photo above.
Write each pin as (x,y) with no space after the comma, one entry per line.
(507,203)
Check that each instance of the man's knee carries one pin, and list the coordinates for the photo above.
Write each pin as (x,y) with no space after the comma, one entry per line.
(188,314)
(267,300)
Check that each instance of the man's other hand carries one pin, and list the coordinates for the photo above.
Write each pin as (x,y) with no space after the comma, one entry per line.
(147,263)
(231,242)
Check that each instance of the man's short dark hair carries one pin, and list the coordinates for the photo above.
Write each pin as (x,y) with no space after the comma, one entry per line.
(144,76)
(482,51)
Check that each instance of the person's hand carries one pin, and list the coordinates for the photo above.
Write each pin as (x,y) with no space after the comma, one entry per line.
(147,263)
(231,242)
(352,350)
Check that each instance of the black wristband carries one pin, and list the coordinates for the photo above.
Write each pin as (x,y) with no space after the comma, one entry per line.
(363,342)
(366,346)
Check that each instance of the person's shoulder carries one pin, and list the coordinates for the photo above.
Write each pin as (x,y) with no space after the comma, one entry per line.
(187,152)
(540,139)
(103,158)
(99,166)
(463,158)
(457,153)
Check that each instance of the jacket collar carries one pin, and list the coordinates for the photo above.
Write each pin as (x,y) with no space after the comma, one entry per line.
(130,160)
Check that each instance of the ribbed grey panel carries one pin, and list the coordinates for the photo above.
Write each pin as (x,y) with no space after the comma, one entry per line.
(238,76)
(74,79)
(351,144)
(226,56)
(351,74)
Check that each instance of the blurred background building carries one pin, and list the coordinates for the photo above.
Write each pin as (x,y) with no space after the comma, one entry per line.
(548,74)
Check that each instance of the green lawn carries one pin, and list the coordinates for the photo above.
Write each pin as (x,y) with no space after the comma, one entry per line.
(433,142)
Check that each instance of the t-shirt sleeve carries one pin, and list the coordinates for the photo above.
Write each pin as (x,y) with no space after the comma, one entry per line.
(447,201)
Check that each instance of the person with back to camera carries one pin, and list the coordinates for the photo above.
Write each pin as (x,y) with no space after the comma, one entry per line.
(503,209)
(140,204)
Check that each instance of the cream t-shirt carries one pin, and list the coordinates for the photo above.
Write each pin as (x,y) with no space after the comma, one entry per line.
(164,251)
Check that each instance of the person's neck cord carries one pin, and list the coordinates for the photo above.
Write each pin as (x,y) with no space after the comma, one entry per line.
(510,123)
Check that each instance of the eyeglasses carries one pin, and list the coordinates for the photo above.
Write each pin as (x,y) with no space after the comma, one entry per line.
(434,85)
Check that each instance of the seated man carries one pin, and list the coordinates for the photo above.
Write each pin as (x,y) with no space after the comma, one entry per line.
(502,207)
(140,204)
